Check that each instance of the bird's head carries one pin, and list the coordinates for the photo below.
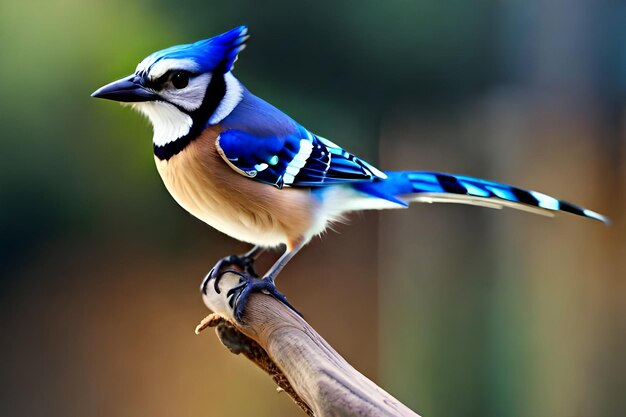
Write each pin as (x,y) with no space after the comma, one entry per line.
(184,86)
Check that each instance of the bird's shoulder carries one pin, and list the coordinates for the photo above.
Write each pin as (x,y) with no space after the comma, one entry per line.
(256,116)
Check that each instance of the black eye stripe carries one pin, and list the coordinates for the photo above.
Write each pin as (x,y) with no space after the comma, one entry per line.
(163,78)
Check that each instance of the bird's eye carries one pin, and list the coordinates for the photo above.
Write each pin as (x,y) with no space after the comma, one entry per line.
(180,79)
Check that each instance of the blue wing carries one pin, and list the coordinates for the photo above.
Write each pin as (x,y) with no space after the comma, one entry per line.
(296,159)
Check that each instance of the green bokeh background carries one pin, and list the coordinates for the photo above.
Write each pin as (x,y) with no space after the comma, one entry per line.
(457,311)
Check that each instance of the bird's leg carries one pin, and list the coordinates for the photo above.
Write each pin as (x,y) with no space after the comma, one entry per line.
(245,262)
(238,295)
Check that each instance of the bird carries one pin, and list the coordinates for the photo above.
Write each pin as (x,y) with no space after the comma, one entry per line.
(247,169)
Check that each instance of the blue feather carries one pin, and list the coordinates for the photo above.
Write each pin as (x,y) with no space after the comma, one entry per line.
(218,53)
(298,159)
(473,190)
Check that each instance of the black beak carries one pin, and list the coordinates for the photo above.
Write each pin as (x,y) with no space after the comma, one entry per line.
(128,90)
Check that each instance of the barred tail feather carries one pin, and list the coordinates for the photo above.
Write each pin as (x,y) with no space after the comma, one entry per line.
(434,187)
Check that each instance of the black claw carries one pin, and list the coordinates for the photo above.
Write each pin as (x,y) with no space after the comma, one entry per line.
(233,290)
(219,276)
(238,295)
(249,283)
(205,282)
(246,263)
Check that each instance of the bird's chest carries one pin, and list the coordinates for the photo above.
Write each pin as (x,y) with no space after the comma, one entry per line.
(202,183)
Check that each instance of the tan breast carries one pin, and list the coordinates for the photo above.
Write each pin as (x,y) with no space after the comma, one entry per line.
(204,185)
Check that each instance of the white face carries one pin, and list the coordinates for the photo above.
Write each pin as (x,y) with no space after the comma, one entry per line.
(189,97)
(181,91)
(168,121)
(187,91)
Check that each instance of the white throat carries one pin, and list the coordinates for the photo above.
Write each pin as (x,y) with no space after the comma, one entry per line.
(168,122)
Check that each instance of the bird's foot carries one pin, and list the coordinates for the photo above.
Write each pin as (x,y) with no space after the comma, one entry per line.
(246,263)
(238,295)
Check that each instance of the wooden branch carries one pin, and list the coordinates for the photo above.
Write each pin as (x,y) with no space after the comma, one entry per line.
(301,363)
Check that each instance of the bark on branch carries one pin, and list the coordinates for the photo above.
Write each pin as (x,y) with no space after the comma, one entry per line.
(301,363)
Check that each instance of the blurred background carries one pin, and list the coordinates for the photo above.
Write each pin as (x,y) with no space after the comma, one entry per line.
(457,311)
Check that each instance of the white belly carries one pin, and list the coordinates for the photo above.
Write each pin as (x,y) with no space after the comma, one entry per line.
(236,228)
(224,213)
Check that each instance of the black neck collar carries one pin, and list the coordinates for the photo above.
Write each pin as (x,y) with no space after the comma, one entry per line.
(212,98)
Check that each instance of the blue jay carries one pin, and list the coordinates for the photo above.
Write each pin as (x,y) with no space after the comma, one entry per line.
(247,169)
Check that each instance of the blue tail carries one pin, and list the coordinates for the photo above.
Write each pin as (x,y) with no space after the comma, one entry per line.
(433,187)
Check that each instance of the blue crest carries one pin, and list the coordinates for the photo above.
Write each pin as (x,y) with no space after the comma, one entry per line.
(216,54)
